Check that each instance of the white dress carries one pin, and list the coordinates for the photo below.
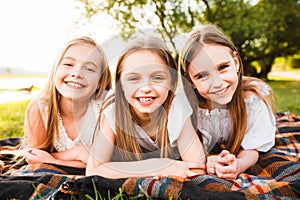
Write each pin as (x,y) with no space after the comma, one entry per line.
(261,126)
(62,141)
(179,112)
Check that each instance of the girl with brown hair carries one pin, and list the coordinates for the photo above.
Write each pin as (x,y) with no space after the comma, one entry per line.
(234,112)
(146,128)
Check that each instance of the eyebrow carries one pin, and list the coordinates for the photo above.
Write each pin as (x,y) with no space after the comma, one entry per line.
(73,59)
(68,58)
(220,64)
(137,73)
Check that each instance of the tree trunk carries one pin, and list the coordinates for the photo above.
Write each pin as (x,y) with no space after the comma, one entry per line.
(266,69)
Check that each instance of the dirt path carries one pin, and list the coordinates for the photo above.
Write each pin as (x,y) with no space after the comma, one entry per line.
(294,75)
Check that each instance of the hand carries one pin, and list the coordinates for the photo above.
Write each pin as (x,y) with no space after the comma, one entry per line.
(183,169)
(38,156)
(82,152)
(78,153)
(224,165)
(211,164)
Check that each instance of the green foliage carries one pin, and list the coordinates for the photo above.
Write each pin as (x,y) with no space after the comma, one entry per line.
(262,31)
(287,96)
(12,119)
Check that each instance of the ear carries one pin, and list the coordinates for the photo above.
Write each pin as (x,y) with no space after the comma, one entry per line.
(236,61)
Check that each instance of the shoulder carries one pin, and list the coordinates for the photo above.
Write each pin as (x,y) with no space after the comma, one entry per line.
(178,115)
(108,113)
(254,86)
(33,107)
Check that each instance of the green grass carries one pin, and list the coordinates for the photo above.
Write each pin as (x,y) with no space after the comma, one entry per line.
(12,119)
(287,96)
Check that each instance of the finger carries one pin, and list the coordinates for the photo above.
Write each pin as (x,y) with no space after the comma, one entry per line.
(25,154)
(224,153)
(212,158)
(33,151)
(210,168)
(226,176)
(228,159)
(227,169)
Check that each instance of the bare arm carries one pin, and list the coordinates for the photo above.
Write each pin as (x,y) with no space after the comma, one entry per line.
(35,130)
(190,146)
(40,156)
(34,127)
(246,159)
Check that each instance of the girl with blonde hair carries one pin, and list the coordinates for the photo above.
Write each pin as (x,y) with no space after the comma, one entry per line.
(60,122)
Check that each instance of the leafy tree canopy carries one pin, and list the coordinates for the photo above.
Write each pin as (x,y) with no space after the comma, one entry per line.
(262,30)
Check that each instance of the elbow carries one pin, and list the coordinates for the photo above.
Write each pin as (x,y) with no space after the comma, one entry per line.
(93,168)
(90,169)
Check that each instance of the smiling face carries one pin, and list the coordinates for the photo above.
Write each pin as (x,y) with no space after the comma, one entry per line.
(145,80)
(214,72)
(77,76)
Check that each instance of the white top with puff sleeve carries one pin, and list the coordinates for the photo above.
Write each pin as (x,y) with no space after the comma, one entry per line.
(261,126)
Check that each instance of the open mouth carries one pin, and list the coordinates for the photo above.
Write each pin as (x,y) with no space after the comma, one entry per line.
(145,99)
(221,92)
(73,84)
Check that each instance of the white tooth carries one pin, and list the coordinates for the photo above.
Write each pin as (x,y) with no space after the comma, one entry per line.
(145,99)
(74,84)
(221,92)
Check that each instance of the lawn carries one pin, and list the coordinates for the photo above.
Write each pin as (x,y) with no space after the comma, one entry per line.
(287,94)
(12,118)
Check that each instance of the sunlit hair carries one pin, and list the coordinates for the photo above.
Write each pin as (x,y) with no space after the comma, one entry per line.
(211,34)
(125,117)
(51,96)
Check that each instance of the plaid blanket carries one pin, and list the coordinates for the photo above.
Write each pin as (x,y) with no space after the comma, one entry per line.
(275,176)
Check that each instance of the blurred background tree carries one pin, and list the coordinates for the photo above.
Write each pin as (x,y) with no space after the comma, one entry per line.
(262,30)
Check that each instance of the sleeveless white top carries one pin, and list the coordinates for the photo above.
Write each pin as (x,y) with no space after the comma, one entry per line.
(261,126)
(62,141)
(179,112)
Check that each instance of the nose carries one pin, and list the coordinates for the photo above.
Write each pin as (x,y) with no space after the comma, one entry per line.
(146,87)
(76,72)
(217,81)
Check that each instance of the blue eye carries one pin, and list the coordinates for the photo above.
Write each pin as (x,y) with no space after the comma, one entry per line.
(132,78)
(222,67)
(67,64)
(158,78)
(90,69)
(201,76)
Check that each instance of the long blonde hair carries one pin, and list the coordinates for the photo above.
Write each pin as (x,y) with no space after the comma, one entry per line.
(125,117)
(211,34)
(51,96)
